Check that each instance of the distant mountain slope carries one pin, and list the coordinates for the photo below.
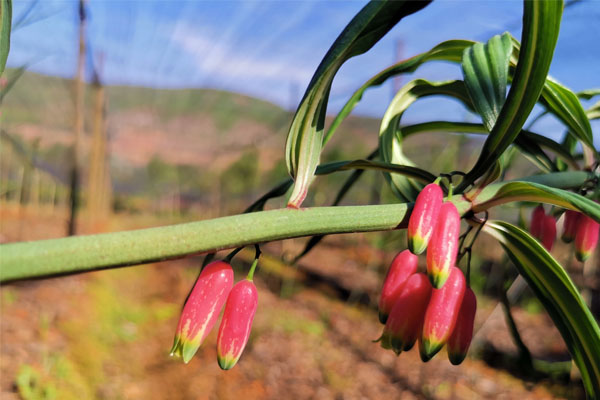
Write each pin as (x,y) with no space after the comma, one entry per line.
(36,98)
(181,126)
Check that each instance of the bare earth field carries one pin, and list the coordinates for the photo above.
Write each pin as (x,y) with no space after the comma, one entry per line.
(106,335)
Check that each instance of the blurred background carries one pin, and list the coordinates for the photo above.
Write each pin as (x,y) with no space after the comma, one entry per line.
(120,115)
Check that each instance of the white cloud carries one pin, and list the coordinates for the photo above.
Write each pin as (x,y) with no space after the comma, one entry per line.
(224,59)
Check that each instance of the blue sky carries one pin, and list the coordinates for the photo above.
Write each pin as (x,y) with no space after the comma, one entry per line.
(269,49)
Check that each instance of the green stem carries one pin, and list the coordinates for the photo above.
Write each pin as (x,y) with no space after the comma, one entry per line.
(110,250)
(250,276)
(524,353)
(254,264)
(450,190)
(86,253)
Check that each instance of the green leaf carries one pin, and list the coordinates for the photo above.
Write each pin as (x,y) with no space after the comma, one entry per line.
(552,285)
(391,135)
(348,184)
(450,50)
(404,170)
(5,21)
(305,138)
(485,71)
(541,23)
(11,82)
(523,141)
(593,112)
(588,94)
(536,190)
(563,103)
(466,127)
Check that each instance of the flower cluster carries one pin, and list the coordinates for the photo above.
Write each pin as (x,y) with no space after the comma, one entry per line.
(436,308)
(212,290)
(576,226)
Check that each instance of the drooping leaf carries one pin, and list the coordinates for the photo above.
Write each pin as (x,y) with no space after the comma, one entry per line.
(485,71)
(348,184)
(588,94)
(536,155)
(277,191)
(5,23)
(563,103)
(554,288)
(391,135)
(541,22)
(467,127)
(450,50)
(536,190)
(405,170)
(304,142)
(11,82)
(593,112)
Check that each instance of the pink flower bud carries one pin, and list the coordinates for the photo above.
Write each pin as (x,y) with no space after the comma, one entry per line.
(403,266)
(537,220)
(441,314)
(236,324)
(443,247)
(424,217)
(460,339)
(406,317)
(202,309)
(548,234)
(570,226)
(586,237)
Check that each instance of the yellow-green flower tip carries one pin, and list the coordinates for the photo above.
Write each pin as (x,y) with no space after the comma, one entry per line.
(417,244)
(429,348)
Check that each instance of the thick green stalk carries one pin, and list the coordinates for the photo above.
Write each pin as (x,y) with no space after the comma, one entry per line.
(110,250)
(85,253)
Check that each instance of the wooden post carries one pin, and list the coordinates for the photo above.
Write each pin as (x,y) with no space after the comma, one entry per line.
(78,125)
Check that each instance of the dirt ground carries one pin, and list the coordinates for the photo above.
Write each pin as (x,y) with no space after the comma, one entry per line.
(106,335)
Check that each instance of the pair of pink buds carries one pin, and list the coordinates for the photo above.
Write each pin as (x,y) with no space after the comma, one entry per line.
(584,230)
(213,288)
(434,225)
(412,310)
(579,227)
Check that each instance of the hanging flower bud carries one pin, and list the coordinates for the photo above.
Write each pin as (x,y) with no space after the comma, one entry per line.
(548,234)
(424,217)
(460,339)
(537,221)
(441,314)
(443,247)
(403,266)
(406,317)
(570,226)
(236,324)
(586,237)
(202,309)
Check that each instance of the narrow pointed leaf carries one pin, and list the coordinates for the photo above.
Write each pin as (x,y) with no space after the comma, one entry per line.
(541,22)
(552,285)
(450,50)
(485,71)
(593,112)
(11,82)
(588,94)
(391,136)
(507,192)
(348,184)
(5,24)
(303,146)
(563,103)
(404,170)
(524,138)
